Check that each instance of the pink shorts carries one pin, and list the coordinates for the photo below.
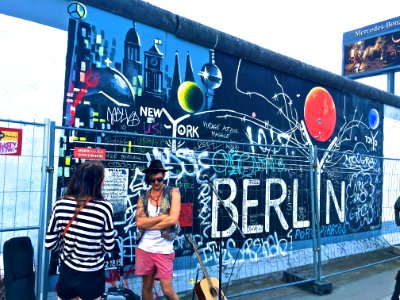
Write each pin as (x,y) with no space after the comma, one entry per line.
(157,264)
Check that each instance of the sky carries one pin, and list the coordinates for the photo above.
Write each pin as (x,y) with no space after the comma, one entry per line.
(308,30)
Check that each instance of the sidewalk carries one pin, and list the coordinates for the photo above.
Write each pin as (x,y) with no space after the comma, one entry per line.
(370,287)
(372,283)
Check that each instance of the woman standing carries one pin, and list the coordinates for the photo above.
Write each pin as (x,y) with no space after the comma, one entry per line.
(82,229)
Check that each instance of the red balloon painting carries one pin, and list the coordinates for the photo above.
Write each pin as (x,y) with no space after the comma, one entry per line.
(320,114)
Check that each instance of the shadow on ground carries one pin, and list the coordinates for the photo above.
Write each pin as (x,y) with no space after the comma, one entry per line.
(338,272)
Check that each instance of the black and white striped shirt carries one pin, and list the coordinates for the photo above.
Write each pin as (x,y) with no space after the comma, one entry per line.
(88,238)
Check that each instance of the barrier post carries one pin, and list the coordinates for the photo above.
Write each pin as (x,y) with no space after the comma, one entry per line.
(319,287)
(314,204)
(45,208)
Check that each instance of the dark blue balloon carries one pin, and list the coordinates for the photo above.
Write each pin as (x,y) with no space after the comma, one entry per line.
(373,118)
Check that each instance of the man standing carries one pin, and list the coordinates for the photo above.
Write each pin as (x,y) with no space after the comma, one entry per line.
(396,292)
(157,216)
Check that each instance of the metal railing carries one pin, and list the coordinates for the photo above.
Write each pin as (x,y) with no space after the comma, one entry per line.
(295,208)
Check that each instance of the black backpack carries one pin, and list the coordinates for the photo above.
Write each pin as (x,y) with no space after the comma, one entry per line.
(19,276)
(119,293)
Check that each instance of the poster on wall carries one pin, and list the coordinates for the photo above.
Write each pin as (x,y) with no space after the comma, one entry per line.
(143,94)
(10,141)
(115,190)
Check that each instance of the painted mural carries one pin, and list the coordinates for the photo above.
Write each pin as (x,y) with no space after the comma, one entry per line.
(212,117)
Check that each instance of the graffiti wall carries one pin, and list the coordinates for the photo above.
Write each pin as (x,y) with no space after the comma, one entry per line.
(227,129)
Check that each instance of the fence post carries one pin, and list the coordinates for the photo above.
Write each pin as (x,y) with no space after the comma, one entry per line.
(320,287)
(45,208)
(314,216)
(317,213)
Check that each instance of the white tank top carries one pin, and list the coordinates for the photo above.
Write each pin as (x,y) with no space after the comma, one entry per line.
(152,241)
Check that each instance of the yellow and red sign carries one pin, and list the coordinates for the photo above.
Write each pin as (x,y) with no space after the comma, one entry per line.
(10,141)
(90,153)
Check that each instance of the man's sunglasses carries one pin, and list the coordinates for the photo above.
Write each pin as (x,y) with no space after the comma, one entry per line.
(159,179)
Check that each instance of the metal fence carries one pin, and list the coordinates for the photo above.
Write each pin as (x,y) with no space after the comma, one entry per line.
(23,189)
(297,207)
